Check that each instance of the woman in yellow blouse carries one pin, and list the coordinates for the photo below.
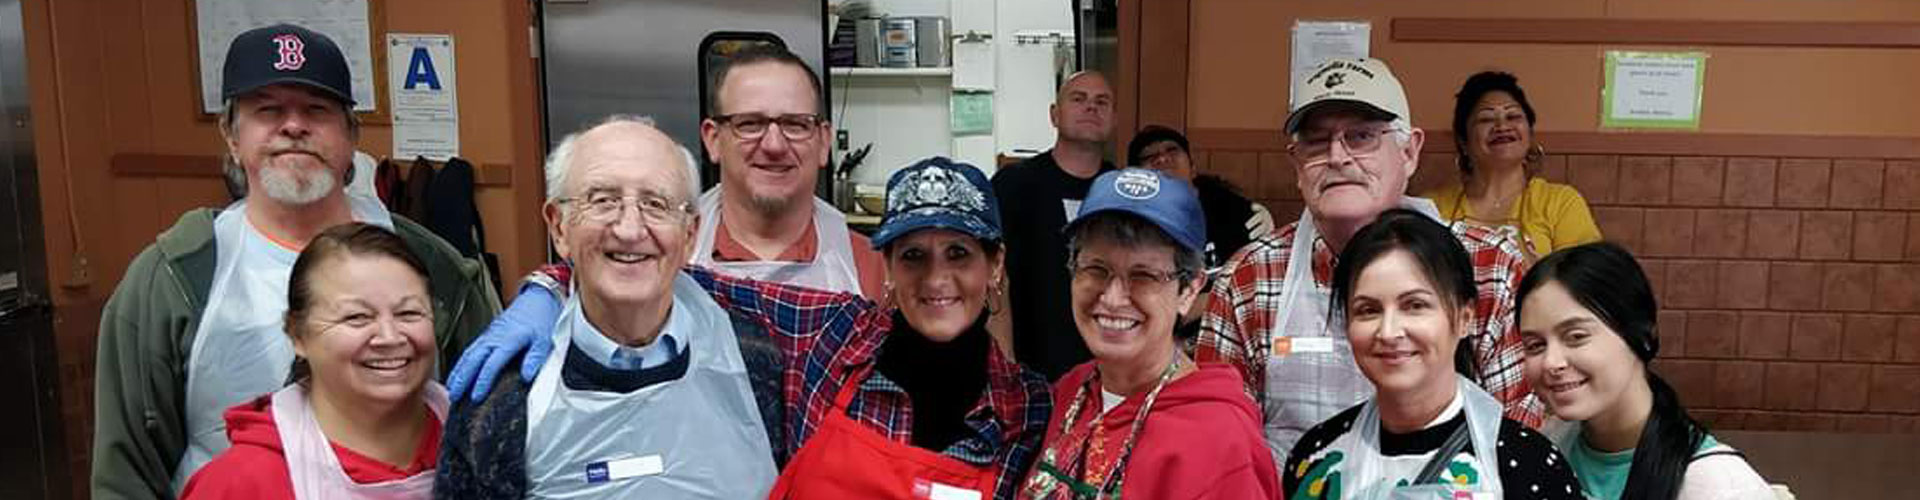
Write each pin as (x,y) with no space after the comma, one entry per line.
(1499,184)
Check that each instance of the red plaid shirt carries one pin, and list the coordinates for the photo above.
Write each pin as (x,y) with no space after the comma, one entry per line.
(1237,327)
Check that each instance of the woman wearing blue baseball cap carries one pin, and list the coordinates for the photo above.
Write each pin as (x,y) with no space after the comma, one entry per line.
(1142,420)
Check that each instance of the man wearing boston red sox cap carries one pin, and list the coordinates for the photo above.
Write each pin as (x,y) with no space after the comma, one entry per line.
(196,323)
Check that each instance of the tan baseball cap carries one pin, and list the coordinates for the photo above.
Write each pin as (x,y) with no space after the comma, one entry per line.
(1363,82)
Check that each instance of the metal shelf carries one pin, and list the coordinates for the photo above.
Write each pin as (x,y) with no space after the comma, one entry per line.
(894,72)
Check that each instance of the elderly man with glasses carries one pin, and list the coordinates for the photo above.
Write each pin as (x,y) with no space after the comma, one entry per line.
(651,395)
(1354,148)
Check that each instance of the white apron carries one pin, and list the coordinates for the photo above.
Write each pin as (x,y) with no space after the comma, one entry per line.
(1311,374)
(240,350)
(832,268)
(1361,473)
(315,470)
(696,437)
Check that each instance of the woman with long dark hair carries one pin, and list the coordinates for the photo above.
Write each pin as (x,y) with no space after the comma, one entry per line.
(1587,326)
(1405,286)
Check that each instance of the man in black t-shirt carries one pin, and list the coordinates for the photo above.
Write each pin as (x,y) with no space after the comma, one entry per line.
(1037,198)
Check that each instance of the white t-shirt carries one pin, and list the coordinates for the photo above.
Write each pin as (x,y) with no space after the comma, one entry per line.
(1722,476)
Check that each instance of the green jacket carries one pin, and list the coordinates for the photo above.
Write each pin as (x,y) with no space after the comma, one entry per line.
(147,330)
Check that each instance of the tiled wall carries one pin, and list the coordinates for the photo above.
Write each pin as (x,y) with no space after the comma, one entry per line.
(1789,287)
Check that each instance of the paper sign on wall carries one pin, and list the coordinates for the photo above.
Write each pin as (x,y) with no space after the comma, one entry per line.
(1314,42)
(1653,89)
(426,112)
(972,112)
(218,22)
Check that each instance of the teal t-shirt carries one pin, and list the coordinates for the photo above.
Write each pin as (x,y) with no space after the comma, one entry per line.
(1604,475)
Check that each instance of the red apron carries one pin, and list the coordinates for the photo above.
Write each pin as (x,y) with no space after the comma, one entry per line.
(844,459)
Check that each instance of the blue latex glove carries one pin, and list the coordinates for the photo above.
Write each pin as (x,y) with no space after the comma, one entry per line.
(526,324)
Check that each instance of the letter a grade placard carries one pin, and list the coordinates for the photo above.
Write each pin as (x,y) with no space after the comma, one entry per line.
(426,109)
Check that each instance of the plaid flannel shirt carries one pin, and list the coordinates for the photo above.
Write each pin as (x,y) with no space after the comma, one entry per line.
(1238,329)
(833,339)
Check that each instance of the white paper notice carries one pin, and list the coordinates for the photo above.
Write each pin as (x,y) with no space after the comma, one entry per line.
(1654,89)
(426,111)
(344,21)
(1315,42)
(973,65)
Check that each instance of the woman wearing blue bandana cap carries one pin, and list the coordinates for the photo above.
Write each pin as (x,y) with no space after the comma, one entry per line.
(916,399)
(1142,420)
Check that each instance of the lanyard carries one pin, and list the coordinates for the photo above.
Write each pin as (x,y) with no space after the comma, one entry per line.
(1051,476)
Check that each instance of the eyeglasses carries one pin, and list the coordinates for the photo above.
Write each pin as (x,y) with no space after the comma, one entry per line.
(1359,142)
(604,207)
(753,126)
(1099,277)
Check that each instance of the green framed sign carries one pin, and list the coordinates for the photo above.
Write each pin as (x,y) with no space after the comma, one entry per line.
(1654,90)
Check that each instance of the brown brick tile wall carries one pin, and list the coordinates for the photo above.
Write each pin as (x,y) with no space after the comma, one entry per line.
(1789,287)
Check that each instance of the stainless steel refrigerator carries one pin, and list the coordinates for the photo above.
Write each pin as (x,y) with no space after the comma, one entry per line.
(649,57)
(33,459)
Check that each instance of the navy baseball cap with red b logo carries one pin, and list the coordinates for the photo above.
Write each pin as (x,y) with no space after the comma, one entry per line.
(285,53)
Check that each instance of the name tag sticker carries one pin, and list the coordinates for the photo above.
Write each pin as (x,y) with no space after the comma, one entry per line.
(1313,344)
(1282,346)
(933,490)
(615,470)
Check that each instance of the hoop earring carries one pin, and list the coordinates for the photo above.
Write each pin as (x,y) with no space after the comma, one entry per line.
(1537,155)
(994,295)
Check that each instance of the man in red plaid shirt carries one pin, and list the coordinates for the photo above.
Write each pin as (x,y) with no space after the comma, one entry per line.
(1354,149)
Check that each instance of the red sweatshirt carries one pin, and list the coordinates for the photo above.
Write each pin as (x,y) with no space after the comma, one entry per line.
(255,468)
(1202,438)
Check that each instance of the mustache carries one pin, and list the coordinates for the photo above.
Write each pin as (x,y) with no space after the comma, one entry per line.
(1336,177)
(284,147)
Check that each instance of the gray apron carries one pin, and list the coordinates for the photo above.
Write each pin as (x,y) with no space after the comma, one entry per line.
(699,436)
(832,268)
(1363,475)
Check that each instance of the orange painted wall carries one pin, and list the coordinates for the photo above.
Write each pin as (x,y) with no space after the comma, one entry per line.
(1240,56)
(118,76)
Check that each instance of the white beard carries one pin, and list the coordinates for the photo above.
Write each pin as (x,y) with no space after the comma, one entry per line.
(296,186)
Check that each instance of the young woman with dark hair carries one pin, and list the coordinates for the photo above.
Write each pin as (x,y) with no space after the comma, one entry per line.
(1587,320)
(1405,286)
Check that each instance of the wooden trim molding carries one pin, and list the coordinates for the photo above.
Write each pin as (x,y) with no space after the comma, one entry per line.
(1896,35)
(167,165)
(1628,143)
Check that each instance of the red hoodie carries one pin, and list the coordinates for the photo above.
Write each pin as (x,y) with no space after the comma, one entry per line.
(1202,438)
(255,468)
